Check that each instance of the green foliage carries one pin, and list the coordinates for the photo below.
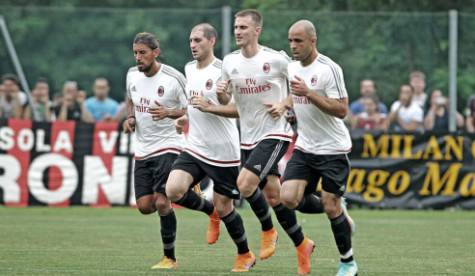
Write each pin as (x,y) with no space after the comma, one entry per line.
(82,44)
(68,41)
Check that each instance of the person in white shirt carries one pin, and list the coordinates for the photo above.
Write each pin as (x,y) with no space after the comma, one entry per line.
(406,115)
(320,102)
(12,100)
(156,97)
(417,80)
(212,147)
(255,77)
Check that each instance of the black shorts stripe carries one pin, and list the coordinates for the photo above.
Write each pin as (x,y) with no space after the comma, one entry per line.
(272,159)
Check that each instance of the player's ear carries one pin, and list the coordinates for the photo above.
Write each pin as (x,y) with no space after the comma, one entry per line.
(213,41)
(258,30)
(156,52)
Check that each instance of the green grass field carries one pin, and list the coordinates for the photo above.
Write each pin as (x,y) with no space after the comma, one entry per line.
(120,241)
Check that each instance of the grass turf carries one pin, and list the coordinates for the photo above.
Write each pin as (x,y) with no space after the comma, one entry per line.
(120,241)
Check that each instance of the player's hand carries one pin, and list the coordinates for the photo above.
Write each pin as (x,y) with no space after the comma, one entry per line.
(129,125)
(222,87)
(290,115)
(180,124)
(158,112)
(200,103)
(276,110)
(298,87)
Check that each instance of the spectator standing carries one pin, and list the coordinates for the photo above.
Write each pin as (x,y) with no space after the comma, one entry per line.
(437,117)
(100,105)
(417,80)
(406,115)
(371,118)
(367,89)
(12,100)
(72,107)
(470,113)
(40,108)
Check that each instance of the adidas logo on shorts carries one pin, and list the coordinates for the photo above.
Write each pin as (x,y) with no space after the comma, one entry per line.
(257,167)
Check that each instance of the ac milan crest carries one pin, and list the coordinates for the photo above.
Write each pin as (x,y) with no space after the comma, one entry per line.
(313,81)
(266,67)
(209,84)
(160,91)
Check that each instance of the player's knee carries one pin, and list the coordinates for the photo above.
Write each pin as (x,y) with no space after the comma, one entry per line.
(162,205)
(223,208)
(174,197)
(288,200)
(146,210)
(272,196)
(331,206)
(273,200)
(245,188)
(174,193)
(145,205)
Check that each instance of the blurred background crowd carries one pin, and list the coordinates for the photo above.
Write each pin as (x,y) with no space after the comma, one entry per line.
(415,109)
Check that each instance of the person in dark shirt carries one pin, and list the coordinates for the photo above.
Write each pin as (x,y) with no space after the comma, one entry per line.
(72,107)
(437,117)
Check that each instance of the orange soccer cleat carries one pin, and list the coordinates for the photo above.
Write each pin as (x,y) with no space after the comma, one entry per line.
(268,243)
(166,263)
(244,262)
(212,234)
(304,250)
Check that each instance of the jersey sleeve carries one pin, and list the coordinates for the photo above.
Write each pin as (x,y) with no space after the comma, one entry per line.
(180,90)
(335,84)
(224,72)
(284,62)
(127,85)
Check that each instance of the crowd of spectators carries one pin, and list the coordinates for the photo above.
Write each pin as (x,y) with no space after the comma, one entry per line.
(70,104)
(414,110)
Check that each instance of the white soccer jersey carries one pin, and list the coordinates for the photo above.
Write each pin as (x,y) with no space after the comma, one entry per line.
(319,132)
(167,87)
(212,139)
(257,82)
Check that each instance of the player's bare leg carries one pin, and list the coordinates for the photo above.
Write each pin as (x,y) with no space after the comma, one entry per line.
(178,191)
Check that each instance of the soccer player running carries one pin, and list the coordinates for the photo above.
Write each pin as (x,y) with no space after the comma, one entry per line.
(212,147)
(256,77)
(320,102)
(155,97)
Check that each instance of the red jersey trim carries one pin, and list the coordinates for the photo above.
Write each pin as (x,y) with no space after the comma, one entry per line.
(159,152)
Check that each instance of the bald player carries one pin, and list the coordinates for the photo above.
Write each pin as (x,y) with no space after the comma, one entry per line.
(320,102)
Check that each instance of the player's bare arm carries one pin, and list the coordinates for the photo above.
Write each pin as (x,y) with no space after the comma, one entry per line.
(129,123)
(333,107)
(180,123)
(228,111)
(276,110)
(223,93)
(161,112)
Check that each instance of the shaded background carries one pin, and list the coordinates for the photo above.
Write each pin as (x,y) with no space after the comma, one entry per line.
(382,40)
